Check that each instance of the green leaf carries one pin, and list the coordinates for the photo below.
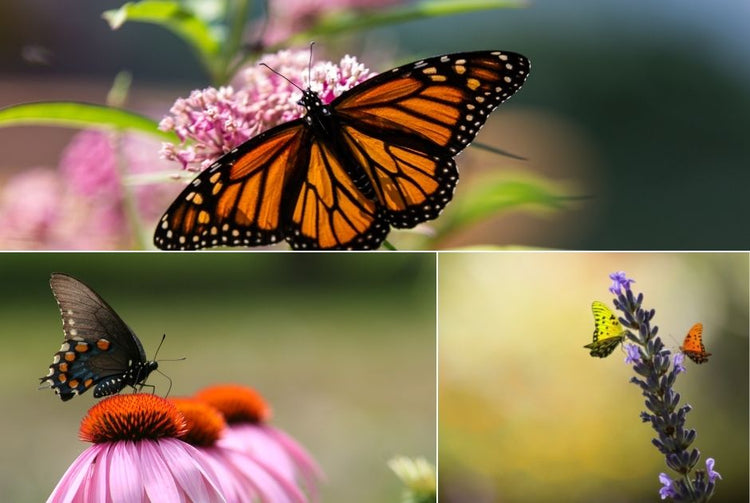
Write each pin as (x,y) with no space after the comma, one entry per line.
(180,20)
(80,115)
(349,20)
(493,196)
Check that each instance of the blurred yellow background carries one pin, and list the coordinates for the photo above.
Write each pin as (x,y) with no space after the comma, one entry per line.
(526,415)
(341,345)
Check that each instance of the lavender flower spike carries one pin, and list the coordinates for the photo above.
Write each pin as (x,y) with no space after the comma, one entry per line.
(677,362)
(666,491)
(619,282)
(712,475)
(656,374)
(633,353)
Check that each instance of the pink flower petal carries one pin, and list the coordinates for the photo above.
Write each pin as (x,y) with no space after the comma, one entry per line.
(265,447)
(67,489)
(191,472)
(157,479)
(125,469)
(233,484)
(99,482)
(301,457)
(270,484)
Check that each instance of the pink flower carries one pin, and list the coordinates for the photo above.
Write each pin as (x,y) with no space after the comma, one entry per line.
(241,476)
(38,211)
(136,456)
(247,413)
(218,120)
(81,206)
(29,206)
(89,165)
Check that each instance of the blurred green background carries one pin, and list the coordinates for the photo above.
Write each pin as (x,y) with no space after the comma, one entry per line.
(639,101)
(341,345)
(526,415)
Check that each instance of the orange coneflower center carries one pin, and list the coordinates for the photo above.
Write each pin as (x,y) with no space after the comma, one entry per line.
(204,423)
(135,416)
(239,404)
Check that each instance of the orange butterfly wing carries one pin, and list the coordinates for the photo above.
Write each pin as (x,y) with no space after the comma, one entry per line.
(381,154)
(237,200)
(405,126)
(280,184)
(693,347)
(330,211)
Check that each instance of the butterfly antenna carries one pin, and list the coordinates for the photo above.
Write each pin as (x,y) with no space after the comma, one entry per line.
(309,65)
(282,76)
(164,336)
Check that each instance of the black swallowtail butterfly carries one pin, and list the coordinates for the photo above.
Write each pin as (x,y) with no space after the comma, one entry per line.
(100,350)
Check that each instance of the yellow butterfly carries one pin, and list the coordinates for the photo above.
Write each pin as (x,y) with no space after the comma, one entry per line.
(608,332)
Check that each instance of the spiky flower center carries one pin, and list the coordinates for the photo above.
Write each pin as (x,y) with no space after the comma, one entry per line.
(134,416)
(204,422)
(239,404)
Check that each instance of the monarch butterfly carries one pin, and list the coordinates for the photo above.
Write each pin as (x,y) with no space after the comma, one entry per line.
(693,346)
(99,348)
(608,331)
(379,155)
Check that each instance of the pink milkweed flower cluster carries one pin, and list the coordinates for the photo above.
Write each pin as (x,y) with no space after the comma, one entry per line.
(80,205)
(89,165)
(150,449)
(212,122)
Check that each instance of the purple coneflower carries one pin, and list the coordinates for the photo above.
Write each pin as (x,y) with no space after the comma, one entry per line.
(241,477)
(247,413)
(211,122)
(137,456)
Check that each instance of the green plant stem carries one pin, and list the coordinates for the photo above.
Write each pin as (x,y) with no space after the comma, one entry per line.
(128,195)
(237,12)
(388,246)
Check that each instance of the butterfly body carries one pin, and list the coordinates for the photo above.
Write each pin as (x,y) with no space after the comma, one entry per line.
(693,346)
(99,349)
(378,156)
(608,332)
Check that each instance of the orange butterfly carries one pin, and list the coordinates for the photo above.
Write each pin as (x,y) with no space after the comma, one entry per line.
(378,156)
(693,346)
